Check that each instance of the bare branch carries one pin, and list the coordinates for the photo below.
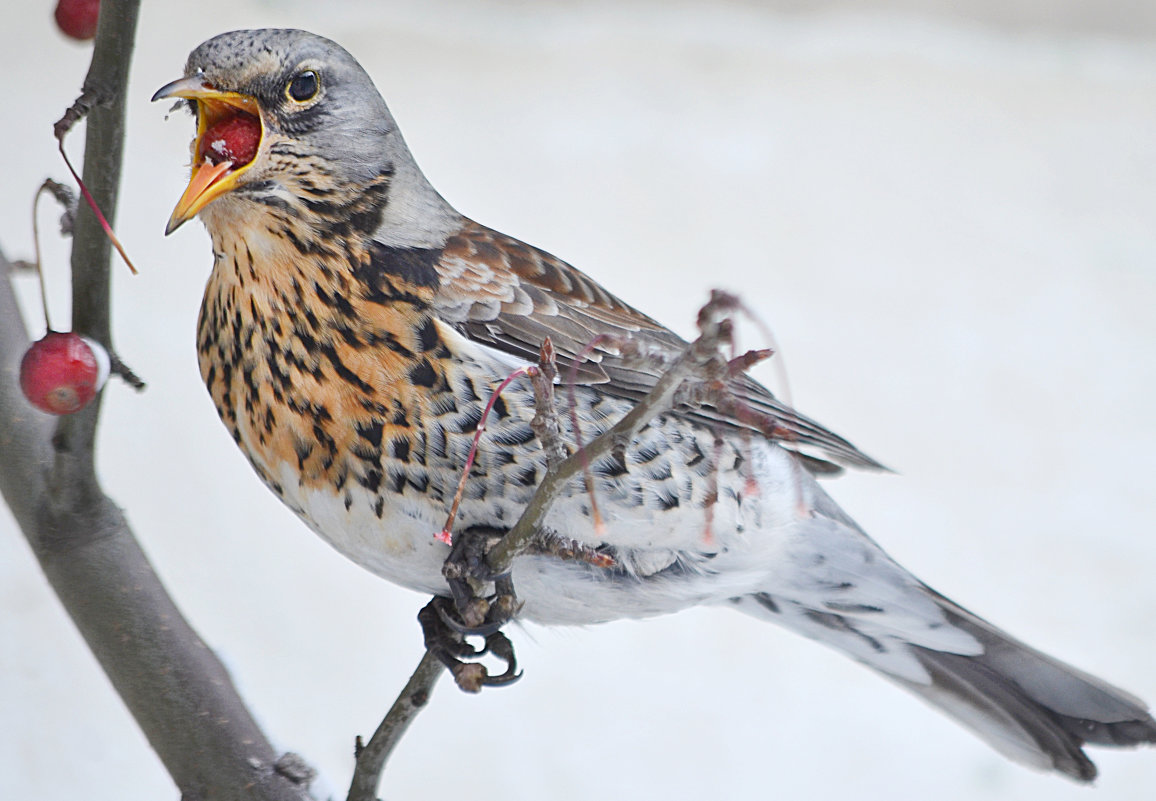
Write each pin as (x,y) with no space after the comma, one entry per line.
(372,756)
(177,690)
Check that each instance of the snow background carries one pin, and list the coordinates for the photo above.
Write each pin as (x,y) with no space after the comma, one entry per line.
(948,220)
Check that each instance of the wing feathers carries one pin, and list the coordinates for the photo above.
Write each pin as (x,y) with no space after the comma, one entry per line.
(506,294)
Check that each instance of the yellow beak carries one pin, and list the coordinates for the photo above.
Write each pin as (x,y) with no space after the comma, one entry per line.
(209,180)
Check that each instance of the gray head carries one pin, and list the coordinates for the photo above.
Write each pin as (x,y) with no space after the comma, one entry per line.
(324,132)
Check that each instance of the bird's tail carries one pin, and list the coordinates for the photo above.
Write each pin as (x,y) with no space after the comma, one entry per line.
(1030,707)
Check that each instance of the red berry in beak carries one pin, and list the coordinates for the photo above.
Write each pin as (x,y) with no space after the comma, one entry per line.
(234,139)
(77,18)
(61,373)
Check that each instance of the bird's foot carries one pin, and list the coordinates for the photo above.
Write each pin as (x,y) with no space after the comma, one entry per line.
(445,641)
(467,572)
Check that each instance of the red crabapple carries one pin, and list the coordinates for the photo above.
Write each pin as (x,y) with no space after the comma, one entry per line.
(62,372)
(77,18)
(234,139)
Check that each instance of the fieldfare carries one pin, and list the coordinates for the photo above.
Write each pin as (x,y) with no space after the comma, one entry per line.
(355,324)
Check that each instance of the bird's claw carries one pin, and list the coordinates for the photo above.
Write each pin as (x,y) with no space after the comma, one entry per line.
(445,640)
(446,622)
(471,677)
(465,569)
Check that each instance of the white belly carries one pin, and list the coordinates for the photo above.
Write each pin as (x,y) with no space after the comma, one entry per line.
(398,546)
(668,560)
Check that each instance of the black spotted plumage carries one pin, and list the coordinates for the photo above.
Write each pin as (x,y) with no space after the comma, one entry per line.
(354,323)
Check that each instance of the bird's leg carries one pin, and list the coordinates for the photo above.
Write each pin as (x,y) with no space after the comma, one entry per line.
(467,573)
(448,644)
(446,622)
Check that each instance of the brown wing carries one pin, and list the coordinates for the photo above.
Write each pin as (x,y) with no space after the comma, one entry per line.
(511,296)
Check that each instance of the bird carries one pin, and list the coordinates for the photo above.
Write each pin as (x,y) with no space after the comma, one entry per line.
(355,324)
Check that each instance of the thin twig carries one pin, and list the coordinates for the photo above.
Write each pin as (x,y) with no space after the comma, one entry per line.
(8,267)
(371,757)
(552,544)
(700,361)
(118,368)
(545,423)
(446,535)
(93,94)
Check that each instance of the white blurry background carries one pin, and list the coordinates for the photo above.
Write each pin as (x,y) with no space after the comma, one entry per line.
(950,222)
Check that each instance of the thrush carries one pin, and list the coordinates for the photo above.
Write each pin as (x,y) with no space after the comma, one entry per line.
(354,325)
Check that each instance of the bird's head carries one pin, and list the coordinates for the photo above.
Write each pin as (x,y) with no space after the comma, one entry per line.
(285,119)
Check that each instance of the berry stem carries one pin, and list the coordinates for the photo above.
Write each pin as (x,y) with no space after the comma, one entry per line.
(36,250)
(446,534)
(96,210)
(587,476)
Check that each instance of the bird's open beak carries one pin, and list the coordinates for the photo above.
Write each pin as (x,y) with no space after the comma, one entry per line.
(214,173)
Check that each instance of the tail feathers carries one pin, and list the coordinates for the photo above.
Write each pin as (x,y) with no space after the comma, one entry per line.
(1030,707)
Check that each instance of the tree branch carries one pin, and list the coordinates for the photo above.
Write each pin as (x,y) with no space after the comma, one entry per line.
(372,756)
(177,690)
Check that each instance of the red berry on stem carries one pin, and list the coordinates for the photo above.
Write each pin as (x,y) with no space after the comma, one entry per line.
(62,372)
(233,139)
(77,18)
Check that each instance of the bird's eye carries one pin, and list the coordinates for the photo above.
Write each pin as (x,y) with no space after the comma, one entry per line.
(304,86)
